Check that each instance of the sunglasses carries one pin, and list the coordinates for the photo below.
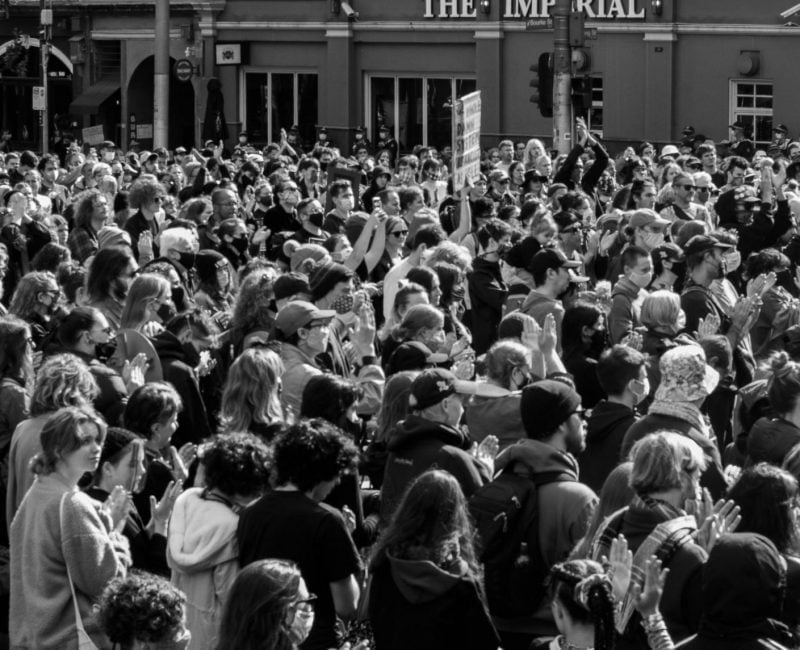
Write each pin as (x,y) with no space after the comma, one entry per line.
(689,188)
(399,233)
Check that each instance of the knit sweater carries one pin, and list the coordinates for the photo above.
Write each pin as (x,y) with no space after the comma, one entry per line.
(42,613)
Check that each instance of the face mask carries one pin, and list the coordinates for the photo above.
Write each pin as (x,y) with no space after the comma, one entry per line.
(300,627)
(640,389)
(653,239)
(166,312)
(266,201)
(186,260)
(733,260)
(346,203)
(599,339)
(344,304)
(104,351)
(316,219)
(641,280)
(406,175)
(179,297)
(240,244)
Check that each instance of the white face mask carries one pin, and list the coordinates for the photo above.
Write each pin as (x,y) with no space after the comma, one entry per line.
(733,261)
(640,389)
(652,239)
(641,280)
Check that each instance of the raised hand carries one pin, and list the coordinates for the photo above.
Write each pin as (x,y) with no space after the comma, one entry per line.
(708,326)
(161,510)
(548,340)
(647,597)
(633,340)
(619,567)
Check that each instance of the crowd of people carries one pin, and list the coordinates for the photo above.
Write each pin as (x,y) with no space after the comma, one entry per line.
(298,397)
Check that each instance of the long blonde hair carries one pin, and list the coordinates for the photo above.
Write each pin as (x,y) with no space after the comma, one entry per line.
(251,391)
(145,288)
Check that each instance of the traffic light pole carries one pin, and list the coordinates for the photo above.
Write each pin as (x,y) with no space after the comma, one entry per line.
(562,78)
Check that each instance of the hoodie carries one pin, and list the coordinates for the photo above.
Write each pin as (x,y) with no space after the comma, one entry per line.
(487,293)
(417,604)
(193,423)
(417,445)
(626,303)
(202,552)
(606,429)
(538,305)
(770,440)
(565,505)
(496,416)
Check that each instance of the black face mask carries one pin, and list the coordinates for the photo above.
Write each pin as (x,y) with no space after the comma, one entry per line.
(186,260)
(266,201)
(104,351)
(240,244)
(190,354)
(179,298)
(599,341)
(166,312)
(679,269)
(316,219)
(458,293)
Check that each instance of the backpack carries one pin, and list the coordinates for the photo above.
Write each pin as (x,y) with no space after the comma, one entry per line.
(506,516)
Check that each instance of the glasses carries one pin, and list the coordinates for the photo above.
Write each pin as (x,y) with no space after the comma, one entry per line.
(702,189)
(689,188)
(504,181)
(306,605)
(399,233)
(159,199)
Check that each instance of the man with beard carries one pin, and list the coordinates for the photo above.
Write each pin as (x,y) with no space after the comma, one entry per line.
(555,433)
(110,275)
(704,263)
(666,472)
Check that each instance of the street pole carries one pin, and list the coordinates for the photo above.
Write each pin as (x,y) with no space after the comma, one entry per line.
(161,76)
(562,80)
(46,20)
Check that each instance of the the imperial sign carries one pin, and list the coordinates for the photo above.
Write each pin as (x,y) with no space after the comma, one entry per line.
(594,9)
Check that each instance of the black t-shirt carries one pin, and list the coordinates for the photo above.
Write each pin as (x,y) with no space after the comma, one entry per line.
(278,220)
(291,526)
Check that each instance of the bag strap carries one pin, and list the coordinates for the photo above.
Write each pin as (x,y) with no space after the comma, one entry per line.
(78,619)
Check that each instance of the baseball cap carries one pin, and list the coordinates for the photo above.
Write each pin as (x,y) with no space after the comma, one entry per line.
(180,151)
(670,150)
(147,155)
(646,217)
(432,386)
(703,243)
(688,130)
(685,375)
(545,405)
(552,258)
(738,124)
(497,176)
(781,128)
(300,313)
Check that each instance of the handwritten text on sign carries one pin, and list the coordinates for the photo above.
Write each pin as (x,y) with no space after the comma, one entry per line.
(466,139)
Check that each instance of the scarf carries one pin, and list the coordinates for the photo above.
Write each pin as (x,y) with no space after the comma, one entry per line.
(685,411)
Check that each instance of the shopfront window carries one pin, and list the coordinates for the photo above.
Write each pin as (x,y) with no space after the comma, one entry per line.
(751,104)
(418,110)
(277,100)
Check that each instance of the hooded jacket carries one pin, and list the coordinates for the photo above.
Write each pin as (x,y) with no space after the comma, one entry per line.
(740,607)
(606,429)
(770,440)
(417,604)
(626,303)
(539,306)
(418,445)
(193,424)
(202,552)
(299,368)
(487,293)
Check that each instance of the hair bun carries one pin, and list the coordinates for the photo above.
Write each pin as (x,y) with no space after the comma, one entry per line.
(780,362)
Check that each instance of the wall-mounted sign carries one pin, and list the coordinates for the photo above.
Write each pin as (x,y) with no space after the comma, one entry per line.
(594,9)
(183,69)
(144,131)
(231,54)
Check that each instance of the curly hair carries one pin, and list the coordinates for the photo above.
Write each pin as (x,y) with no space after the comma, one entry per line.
(430,523)
(194,209)
(236,464)
(141,607)
(26,295)
(84,208)
(251,390)
(50,257)
(63,380)
(144,191)
(258,604)
(252,309)
(311,452)
(592,604)
(71,277)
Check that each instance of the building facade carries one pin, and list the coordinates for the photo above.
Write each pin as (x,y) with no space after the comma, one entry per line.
(656,67)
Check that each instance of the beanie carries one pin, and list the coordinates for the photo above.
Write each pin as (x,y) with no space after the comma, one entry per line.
(325,277)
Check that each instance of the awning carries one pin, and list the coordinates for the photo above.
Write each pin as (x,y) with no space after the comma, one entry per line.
(89,101)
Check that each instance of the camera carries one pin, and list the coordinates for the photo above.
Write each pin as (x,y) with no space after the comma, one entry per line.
(351,13)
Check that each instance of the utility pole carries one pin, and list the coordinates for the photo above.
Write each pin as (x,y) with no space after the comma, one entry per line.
(161,76)
(46,20)
(562,79)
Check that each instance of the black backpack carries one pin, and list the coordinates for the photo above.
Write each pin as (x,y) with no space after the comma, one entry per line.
(506,516)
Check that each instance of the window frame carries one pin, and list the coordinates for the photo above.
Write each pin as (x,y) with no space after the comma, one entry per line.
(734,111)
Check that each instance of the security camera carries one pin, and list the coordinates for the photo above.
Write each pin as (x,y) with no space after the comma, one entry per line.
(351,13)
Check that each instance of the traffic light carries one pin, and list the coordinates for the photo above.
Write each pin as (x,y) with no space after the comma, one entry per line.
(543,82)
(581,94)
